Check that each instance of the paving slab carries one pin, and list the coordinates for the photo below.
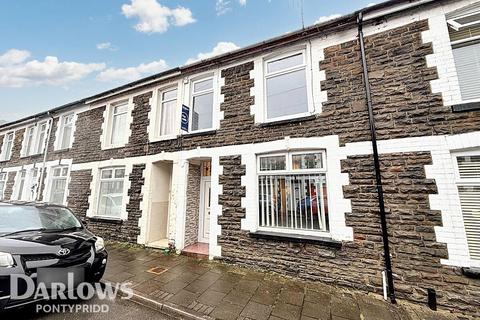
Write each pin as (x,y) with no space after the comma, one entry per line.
(199,289)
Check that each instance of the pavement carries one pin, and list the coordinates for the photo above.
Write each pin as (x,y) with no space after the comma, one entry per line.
(189,288)
(118,309)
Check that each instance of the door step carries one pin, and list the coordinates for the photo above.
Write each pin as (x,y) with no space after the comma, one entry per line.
(198,250)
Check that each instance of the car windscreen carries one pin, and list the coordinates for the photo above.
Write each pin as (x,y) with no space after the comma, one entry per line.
(19,218)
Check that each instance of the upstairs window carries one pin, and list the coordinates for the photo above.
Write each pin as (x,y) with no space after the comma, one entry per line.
(7,146)
(468,184)
(66,128)
(110,196)
(465,39)
(292,192)
(118,132)
(202,104)
(3,183)
(167,105)
(35,138)
(286,86)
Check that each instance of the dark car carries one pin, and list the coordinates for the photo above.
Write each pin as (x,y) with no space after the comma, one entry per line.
(38,237)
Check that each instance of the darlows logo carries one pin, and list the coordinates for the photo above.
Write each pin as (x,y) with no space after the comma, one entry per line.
(63,252)
(23,287)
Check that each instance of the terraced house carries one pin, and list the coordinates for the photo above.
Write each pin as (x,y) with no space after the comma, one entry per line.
(347,152)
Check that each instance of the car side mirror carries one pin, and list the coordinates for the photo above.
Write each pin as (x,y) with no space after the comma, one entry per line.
(84,222)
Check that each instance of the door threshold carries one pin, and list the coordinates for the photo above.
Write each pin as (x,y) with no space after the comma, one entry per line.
(197,250)
(159,244)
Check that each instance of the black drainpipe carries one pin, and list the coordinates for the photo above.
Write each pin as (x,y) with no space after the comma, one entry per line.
(376,161)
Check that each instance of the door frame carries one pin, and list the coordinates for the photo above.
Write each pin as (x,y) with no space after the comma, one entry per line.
(201,216)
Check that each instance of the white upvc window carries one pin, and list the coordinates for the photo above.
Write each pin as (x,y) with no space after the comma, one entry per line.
(65,132)
(58,184)
(35,138)
(116,127)
(468,184)
(7,146)
(20,184)
(285,86)
(166,112)
(110,195)
(292,193)
(3,183)
(465,40)
(202,102)
(26,184)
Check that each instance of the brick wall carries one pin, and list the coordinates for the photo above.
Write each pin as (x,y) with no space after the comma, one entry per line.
(193,204)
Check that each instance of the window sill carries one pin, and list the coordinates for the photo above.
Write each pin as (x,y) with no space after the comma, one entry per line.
(200,133)
(114,147)
(31,155)
(287,121)
(62,150)
(280,236)
(164,138)
(467,106)
(473,273)
(105,219)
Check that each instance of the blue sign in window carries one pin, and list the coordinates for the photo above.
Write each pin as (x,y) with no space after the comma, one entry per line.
(185,117)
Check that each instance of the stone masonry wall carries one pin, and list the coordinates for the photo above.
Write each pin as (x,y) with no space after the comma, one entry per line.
(192,211)
(358,264)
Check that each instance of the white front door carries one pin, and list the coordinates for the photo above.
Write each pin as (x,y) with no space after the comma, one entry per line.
(204,221)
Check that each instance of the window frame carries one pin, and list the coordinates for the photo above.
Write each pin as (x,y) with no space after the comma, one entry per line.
(4,156)
(62,126)
(462,43)
(52,178)
(158,112)
(20,180)
(114,114)
(98,186)
(193,94)
(3,181)
(457,26)
(107,126)
(290,171)
(289,162)
(308,78)
(459,182)
(34,145)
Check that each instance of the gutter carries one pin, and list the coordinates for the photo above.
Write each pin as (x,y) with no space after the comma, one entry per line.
(376,162)
(45,153)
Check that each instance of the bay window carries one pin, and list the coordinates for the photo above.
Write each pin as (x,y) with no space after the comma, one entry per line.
(3,183)
(66,128)
(58,184)
(468,184)
(110,196)
(202,104)
(292,192)
(7,146)
(286,86)
(167,106)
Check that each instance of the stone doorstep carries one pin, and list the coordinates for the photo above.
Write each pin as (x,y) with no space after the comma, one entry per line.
(167,308)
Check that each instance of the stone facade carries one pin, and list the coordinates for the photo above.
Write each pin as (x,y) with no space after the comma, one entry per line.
(192,213)
(404,108)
